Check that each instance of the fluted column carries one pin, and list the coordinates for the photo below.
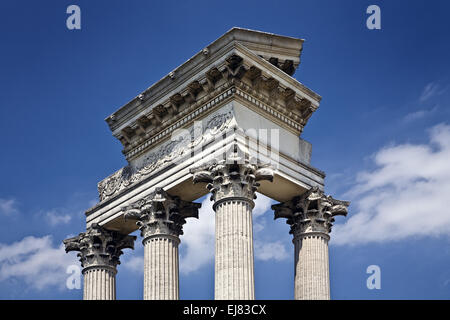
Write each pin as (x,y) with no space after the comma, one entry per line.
(99,252)
(99,283)
(312,279)
(160,218)
(161,268)
(233,185)
(311,217)
(234,274)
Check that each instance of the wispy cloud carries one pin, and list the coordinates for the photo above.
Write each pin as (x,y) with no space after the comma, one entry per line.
(36,262)
(134,260)
(405,196)
(431,90)
(415,115)
(270,251)
(420,114)
(262,204)
(8,206)
(134,263)
(55,217)
(198,239)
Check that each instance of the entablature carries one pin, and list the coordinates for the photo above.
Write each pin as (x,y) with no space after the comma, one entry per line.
(236,76)
(233,69)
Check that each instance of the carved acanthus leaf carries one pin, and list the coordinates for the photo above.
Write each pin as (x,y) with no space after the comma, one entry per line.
(161,213)
(235,176)
(311,212)
(170,151)
(99,246)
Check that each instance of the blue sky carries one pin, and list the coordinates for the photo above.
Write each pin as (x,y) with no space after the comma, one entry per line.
(381,134)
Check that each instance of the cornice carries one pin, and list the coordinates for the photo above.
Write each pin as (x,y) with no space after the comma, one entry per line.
(176,99)
(281,48)
(278,95)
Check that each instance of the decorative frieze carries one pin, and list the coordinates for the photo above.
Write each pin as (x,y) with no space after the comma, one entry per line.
(234,79)
(167,153)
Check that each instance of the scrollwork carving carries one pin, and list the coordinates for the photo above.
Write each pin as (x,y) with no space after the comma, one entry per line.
(99,247)
(234,177)
(167,153)
(160,213)
(312,212)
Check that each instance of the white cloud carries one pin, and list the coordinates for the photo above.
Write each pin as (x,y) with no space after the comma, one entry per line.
(8,206)
(135,264)
(415,115)
(36,262)
(198,239)
(270,251)
(262,204)
(54,217)
(406,195)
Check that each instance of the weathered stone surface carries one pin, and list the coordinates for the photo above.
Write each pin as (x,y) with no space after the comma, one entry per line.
(241,114)
(99,252)
(161,213)
(233,183)
(311,217)
(160,218)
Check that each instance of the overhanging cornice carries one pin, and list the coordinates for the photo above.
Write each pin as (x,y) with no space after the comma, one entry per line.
(204,76)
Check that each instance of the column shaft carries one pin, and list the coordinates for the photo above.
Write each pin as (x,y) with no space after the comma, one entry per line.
(233,183)
(99,284)
(234,277)
(311,216)
(312,279)
(161,268)
(160,218)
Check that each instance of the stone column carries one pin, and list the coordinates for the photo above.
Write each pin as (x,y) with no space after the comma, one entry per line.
(160,218)
(311,217)
(100,250)
(233,186)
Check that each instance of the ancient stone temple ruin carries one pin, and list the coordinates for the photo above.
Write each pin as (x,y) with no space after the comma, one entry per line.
(226,123)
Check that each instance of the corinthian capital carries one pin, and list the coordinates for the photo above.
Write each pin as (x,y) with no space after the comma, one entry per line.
(232,179)
(312,212)
(161,213)
(99,247)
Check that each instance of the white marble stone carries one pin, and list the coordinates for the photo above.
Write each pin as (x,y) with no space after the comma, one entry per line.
(99,252)
(99,284)
(237,87)
(161,268)
(234,270)
(233,183)
(311,216)
(160,218)
(312,277)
